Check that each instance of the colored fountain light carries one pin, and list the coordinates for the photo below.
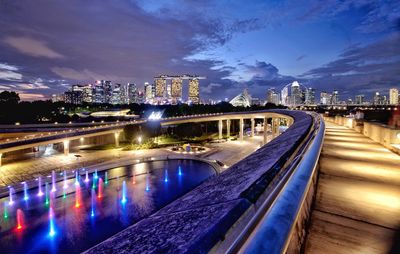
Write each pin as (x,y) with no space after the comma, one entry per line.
(106,178)
(53,181)
(123,199)
(52,230)
(78,196)
(93,195)
(11,191)
(179,171)
(26,197)
(166,176)
(95,174)
(87,177)
(100,192)
(76,178)
(46,190)
(94,181)
(134,179)
(5,211)
(20,219)
(147,182)
(65,180)
(40,193)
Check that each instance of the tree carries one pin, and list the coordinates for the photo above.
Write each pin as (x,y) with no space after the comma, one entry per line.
(9,97)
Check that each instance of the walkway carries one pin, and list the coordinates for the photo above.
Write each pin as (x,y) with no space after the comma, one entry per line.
(357,208)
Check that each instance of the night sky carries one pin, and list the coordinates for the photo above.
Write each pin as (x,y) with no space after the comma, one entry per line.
(352,46)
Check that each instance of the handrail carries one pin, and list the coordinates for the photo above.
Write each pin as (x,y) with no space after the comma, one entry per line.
(270,229)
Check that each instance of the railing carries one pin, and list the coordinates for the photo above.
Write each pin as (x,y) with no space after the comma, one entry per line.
(272,227)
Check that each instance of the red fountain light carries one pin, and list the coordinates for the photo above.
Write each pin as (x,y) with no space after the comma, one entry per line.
(20,219)
(100,194)
(77,196)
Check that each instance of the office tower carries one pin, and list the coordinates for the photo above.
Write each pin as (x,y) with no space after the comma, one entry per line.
(194,94)
(73,97)
(394,96)
(148,92)
(108,90)
(296,97)
(161,84)
(98,93)
(285,96)
(309,96)
(335,97)
(176,91)
(379,99)
(325,98)
(360,99)
(57,98)
(116,94)
(272,97)
(140,97)
(132,93)
(87,93)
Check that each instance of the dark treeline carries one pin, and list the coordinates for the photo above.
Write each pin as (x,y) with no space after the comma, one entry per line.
(13,110)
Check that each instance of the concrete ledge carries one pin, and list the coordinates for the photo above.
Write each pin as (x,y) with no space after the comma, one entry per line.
(195,222)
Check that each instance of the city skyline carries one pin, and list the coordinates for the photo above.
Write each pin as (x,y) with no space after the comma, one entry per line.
(350,46)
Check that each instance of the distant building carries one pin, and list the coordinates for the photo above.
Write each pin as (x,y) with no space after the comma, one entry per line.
(58,98)
(176,93)
(98,93)
(309,96)
(379,99)
(194,92)
(272,97)
(73,97)
(160,89)
(241,100)
(335,97)
(359,99)
(296,97)
(149,92)
(87,93)
(285,95)
(116,94)
(325,98)
(393,96)
(132,93)
(108,90)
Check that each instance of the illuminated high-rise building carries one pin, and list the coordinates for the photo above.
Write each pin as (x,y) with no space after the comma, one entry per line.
(285,95)
(161,86)
(309,96)
(176,91)
(87,93)
(296,97)
(132,93)
(379,99)
(116,94)
(359,99)
(194,93)
(394,96)
(108,90)
(335,97)
(325,98)
(149,92)
(272,97)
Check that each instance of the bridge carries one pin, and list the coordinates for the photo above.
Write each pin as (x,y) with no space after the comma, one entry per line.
(318,187)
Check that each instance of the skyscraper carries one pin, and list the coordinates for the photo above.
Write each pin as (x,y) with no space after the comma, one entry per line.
(309,96)
(296,97)
(394,96)
(360,99)
(132,93)
(335,97)
(378,99)
(108,90)
(161,84)
(194,93)
(87,93)
(98,93)
(176,93)
(325,98)
(116,94)
(272,96)
(285,96)
(149,92)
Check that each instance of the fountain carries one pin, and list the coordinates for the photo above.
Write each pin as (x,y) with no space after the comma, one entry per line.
(53,181)
(76,178)
(77,196)
(52,230)
(20,219)
(26,197)
(11,201)
(65,180)
(100,193)
(40,193)
(179,171)
(166,176)
(46,190)
(95,174)
(123,199)
(106,178)
(94,181)
(5,212)
(87,177)
(147,182)
(92,202)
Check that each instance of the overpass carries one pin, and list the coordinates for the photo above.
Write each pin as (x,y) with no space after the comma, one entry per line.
(65,136)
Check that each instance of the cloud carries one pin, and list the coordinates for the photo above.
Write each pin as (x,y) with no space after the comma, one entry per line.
(9,67)
(210,87)
(30,96)
(32,47)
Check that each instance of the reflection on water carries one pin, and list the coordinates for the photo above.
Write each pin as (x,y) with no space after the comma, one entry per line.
(89,210)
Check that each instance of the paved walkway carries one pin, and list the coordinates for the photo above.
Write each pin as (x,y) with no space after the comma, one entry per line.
(357,206)
(228,152)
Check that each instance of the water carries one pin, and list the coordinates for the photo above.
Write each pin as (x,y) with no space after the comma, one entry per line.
(62,226)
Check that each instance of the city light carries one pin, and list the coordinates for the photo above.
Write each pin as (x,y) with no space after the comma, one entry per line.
(155,116)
